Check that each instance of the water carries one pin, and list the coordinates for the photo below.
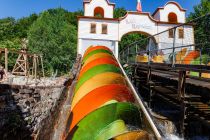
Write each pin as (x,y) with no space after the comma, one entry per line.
(172,137)
(167,128)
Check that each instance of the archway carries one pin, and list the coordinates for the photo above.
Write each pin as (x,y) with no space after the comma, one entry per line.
(172,17)
(139,43)
(99,12)
(142,38)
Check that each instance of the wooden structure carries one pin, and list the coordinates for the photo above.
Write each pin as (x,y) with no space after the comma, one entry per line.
(171,88)
(22,66)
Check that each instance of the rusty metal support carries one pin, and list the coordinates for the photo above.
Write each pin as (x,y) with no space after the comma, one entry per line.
(181,94)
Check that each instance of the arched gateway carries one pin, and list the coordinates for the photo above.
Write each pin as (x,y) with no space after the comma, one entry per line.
(98,27)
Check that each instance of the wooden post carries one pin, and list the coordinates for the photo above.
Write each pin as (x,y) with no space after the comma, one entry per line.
(181,94)
(136,54)
(6,60)
(26,68)
(181,84)
(20,67)
(174,44)
(149,83)
(149,52)
(35,66)
(42,66)
(128,53)
(149,72)
(200,73)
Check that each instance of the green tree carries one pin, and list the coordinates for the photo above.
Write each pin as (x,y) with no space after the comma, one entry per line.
(130,38)
(202,26)
(22,26)
(53,36)
(11,33)
(72,17)
(119,12)
(7,28)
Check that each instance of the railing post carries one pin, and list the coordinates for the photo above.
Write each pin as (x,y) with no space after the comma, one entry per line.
(181,94)
(149,53)
(119,57)
(200,74)
(123,57)
(136,53)
(128,56)
(174,43)
(6,60)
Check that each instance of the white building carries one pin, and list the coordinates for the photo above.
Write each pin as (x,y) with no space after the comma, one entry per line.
(98,27)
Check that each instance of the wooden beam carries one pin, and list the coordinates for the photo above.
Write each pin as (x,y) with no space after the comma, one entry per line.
(6,60)
(149,74)
(181,84)
(35,66)
(181,94)
(42,66)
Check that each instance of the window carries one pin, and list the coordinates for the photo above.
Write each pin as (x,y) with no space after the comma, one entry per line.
(104,29)
(99,12)
(171,33)
(172,17)
(93,28)
(181,33)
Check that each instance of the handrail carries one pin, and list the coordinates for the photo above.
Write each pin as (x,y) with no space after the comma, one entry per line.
(137,41)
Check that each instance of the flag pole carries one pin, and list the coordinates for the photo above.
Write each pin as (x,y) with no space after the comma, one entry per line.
(139,7)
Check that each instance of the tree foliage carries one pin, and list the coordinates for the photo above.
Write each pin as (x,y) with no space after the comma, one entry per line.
(51,33)
(202,25)
(130,38)
(54,36)
(23,25)
(119,12)
(11,33)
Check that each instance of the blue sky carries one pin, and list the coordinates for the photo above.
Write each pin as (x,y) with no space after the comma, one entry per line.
(21,8)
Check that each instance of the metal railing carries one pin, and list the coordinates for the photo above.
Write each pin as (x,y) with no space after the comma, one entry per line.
(180,47)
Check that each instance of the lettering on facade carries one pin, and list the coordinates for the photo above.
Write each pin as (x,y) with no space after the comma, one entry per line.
(137,25)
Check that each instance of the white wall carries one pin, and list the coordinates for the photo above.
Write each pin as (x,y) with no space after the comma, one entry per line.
(86,43)
(87,39)
(132,22)
(84,29)
(172,8)
(137,23)
(108,9)
(157,15)
(188,35)
(165,42)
